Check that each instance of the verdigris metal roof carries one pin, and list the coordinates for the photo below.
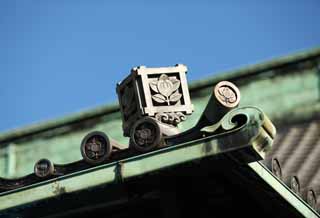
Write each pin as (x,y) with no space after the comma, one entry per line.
(240,75)
(286,88)
(43,199)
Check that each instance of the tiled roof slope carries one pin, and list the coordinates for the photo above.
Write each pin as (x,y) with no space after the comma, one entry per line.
(295,159)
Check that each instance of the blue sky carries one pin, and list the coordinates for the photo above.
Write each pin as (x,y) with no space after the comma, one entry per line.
(60,57)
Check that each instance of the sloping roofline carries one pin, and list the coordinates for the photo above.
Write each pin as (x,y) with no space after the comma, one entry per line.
(111,108)
(255,69)
(119,172)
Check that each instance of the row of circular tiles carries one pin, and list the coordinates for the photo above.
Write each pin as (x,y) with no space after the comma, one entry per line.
(307,190)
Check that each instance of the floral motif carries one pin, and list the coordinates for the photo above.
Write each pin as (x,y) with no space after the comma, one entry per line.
(166,89)
(227,95)
(95,148)
(144,136)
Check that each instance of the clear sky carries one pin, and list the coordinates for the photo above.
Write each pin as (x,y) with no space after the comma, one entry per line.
(60,57)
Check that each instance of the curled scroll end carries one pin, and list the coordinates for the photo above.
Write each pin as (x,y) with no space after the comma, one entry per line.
(226,123)
(268,126)
(227,94)
(212,128)
(43,168)
(235,118)
(253,125)
(262,143)
(264,140)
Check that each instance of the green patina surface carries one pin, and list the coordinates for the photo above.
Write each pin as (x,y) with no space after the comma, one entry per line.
(287,89)
(137,166)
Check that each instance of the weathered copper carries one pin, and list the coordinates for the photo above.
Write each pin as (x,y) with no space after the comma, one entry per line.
(153,101)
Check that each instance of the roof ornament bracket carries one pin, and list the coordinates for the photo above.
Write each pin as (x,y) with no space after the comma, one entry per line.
(153,102)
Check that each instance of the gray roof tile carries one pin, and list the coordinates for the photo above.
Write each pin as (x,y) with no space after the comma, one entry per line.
(297,149)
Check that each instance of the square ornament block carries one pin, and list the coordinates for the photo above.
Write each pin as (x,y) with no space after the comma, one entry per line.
(161,93)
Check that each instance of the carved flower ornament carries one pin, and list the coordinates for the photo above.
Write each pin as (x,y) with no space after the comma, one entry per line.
(166,89)
(227,95)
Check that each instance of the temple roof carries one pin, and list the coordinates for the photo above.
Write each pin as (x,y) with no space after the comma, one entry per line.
(208,177)
(287,89)
(242,74)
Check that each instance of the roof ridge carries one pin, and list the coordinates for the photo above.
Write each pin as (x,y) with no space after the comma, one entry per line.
(256,68)
(195,85)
